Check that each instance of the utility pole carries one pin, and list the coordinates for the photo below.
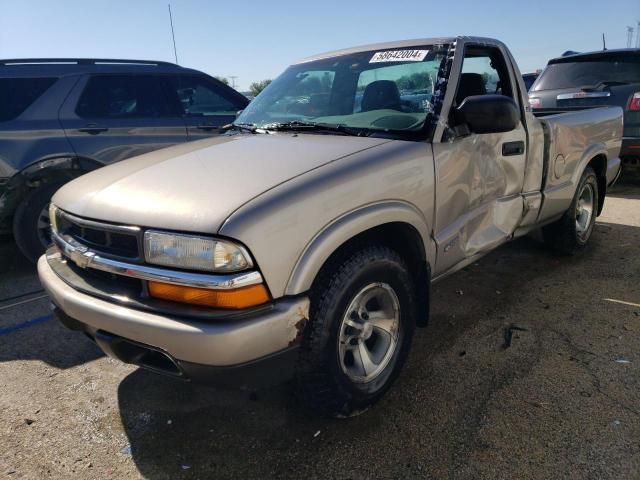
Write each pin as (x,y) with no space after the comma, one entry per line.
(629,36)
(638,35)
(233,81)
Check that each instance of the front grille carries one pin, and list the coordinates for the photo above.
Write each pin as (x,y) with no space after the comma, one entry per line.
(107,283)
(102,238)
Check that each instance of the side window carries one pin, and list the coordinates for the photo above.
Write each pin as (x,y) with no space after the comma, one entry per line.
(127,96)
(483,73)
(200,97)
(18,94)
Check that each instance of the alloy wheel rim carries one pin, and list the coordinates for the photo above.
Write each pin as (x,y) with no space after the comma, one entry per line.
(584,209)
(369,333)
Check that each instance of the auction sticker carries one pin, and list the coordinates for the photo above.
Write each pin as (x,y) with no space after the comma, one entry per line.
(399,56)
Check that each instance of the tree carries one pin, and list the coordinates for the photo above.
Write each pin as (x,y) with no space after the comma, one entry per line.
(224,80)
(257,87)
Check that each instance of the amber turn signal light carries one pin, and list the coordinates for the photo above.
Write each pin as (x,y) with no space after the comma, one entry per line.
(230,299)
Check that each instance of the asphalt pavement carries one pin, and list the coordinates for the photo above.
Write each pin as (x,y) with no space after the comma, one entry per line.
(529,369)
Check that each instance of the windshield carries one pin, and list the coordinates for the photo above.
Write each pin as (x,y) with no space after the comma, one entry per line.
(588,73)
(388,90)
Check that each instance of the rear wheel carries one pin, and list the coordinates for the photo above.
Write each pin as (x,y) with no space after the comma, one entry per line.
(362,321)
(570,234)
(31,227)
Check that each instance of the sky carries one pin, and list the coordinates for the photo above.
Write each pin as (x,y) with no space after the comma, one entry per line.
(255,40)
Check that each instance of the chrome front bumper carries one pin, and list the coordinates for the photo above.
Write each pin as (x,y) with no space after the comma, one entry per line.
(214,343)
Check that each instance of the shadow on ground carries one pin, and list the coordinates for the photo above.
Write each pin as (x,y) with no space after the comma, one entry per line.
(27,330)
(468,405)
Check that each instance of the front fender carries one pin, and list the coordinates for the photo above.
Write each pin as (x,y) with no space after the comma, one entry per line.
(342,229)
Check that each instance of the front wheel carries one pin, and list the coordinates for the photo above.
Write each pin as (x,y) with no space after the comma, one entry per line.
(570,234)
(31,227)
(362,321)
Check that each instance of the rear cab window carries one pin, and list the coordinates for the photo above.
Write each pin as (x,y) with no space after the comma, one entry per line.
(18,94)
(589,71)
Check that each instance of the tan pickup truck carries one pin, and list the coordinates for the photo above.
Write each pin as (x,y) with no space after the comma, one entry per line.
(302,243)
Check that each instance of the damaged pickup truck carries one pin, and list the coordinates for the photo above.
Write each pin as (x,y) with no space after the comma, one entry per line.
(302,244)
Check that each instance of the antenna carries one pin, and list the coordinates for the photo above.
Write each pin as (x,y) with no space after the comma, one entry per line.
(604,43)
(173,35)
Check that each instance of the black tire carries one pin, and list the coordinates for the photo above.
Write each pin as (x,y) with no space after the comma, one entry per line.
(32,242)
(564,236)
(321,382)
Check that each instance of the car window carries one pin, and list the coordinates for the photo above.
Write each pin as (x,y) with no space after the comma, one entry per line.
(529,80)
(199,96)
(127,96)
(589,73)
(483,73)
(18,94)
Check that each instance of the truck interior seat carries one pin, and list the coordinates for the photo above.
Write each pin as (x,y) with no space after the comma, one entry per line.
(470,84)
(381,94)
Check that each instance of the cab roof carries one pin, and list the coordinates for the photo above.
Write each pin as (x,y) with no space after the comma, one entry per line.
(403,44)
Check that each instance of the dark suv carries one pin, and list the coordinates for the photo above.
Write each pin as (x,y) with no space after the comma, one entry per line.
(608,77)
(60,118)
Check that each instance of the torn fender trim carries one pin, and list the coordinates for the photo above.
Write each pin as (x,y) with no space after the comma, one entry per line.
(301,318)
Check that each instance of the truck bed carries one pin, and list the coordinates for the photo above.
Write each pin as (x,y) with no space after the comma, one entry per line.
(572,137)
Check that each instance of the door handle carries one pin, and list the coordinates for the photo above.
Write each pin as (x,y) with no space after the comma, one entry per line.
(512,148)
(207,127)
(93,129)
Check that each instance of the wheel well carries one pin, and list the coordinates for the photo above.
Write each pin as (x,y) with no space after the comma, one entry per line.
(407,242)
(599,165)
(56,169)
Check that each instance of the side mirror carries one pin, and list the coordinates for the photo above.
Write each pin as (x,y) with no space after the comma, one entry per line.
(488,114)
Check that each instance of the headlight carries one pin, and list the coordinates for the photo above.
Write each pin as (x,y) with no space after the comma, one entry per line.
(194,253)
(53,217)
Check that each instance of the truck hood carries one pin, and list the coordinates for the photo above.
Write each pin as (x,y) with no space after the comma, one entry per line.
(195,186)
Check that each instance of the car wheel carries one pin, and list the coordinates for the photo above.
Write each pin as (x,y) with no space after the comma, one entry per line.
(362,319)
(31,228)
(570,234)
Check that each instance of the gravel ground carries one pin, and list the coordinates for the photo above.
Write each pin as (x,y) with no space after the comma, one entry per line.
(561,401)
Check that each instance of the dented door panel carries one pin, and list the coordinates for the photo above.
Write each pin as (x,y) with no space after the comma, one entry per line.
(478,195)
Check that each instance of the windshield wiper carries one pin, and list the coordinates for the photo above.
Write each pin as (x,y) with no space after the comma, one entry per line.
(297,125)
(243,127)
